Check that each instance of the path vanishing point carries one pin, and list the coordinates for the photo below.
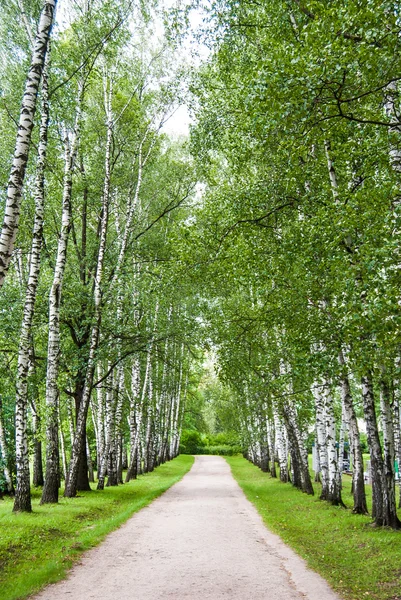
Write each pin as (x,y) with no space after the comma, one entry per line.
(202,539)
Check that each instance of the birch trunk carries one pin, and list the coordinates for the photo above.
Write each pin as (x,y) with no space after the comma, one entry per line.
(23,143)
(80,433)
(52,477)
(383,510)
(38,479)
(4,452)
(148,465)
(176,411)
(334,475)
(394,131)
(397,422)
(386,419)
(135,418)
(118,422)
(22,502)
(271,444)
(90,463)
(137,404)
(63,452)
(358,482)
(106,462)
(281,445)
(299,454)
(321,441)
(101,444)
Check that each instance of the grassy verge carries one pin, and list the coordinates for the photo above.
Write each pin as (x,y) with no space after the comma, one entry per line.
(39,548)
(358,561)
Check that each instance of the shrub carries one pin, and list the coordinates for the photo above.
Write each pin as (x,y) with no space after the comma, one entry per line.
(191,441)
(222,450)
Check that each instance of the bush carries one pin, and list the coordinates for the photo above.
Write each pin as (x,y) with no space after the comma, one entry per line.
(191,441)
(223,439)
(222,450)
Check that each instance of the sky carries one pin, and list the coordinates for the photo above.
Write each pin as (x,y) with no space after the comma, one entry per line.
(191,52)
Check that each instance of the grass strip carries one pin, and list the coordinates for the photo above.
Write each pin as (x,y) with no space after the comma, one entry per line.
(358,560)
(39,548)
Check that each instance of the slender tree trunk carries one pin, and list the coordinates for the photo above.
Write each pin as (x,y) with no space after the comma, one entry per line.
(386,419)
(135,418)
(62,448)
(23,503)
(52,477)
(137,405)
(383,510)
(334,476)
(80,433)
(321,441)
(281,444)
(176,410)
(4,452)
(271,443)
(21,153)
(358,483)
(299,456)
(89,462)
(397,421)
(38,479)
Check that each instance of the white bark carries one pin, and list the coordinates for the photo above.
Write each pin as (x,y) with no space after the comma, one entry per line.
(79,439)
(4,452)
(392,112)
(25,343)
(321,440)
(281,446)
(50,489)
(23,141)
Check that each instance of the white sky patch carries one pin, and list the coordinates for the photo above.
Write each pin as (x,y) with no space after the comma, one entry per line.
(190,53)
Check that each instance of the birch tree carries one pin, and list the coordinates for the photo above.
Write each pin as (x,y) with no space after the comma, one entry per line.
(24,134)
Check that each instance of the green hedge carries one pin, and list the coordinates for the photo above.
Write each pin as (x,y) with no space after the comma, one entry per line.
(223,450)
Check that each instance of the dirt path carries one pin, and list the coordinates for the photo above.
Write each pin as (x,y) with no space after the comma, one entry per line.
(201,540)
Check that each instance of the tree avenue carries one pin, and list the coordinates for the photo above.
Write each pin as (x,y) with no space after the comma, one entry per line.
(271,239)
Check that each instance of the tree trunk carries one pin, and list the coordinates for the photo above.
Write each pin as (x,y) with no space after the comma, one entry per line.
(52,477)
(135,418)
(22,147)
(299,457)
(389,454)
(4,452)
(281,445)
(25,344)
(334,495)
(321,441)
(80,433)
(383,510)
(358,483)
(38,479)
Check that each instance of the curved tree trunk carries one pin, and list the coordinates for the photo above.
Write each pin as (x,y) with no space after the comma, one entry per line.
(22,147)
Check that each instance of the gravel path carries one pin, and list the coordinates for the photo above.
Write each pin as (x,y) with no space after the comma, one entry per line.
(201,540)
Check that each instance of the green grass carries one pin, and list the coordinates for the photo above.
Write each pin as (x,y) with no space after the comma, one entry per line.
(359,561)
(38,548)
